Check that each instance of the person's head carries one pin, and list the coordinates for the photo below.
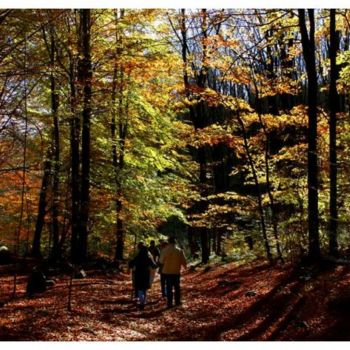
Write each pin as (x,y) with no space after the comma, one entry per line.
(143,252)
(152,243)
(162,243)
(140,245)
(171,240)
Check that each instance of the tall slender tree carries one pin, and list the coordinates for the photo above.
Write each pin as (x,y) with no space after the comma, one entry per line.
(49,157)
(56,148)
(75,129)
(333,108)
(118,134)
(50,43)
(85,80)
(309,48)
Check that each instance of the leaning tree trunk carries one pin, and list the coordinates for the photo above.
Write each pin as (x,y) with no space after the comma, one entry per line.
(308,44)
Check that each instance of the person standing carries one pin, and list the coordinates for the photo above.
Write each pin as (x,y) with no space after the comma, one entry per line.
(142,263)
(154,251)
(134,293)
(172,258)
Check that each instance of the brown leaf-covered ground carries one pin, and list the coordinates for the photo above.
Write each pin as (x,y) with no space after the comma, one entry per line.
(227,302)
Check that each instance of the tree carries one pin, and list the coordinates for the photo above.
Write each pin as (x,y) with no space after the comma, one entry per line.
(198,123)
(85,81)
(308,44)
(333,108)
(120,113)
(36,246)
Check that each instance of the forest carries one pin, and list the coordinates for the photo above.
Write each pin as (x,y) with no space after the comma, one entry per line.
(226,129)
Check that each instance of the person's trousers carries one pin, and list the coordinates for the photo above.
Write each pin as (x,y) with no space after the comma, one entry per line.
(142,295)
(163,284)
(173,283)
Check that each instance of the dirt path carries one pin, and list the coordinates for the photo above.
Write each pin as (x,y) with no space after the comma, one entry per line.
(228,302)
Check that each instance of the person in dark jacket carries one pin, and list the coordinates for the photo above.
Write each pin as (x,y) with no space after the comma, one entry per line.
(154,251)
(139,246)
(142,263)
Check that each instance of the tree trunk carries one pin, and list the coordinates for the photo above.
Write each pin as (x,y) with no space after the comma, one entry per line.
(84,78)
(271,198)
(36,248)
(75,174)
(118,155)
(119,253)
(287,64)
(56,154)
(219,243)
(257,186)
(333,108)
(214,241)
(191,241)
(267,177)
(308,44)
(197,118)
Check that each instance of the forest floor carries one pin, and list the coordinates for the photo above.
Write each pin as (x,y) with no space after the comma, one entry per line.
(224,302)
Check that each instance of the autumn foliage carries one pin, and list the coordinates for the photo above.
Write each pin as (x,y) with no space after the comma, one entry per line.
(226,128)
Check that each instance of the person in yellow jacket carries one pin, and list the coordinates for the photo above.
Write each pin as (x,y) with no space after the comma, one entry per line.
(172,259)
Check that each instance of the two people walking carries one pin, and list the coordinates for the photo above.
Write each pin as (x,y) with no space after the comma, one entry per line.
(170,260)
